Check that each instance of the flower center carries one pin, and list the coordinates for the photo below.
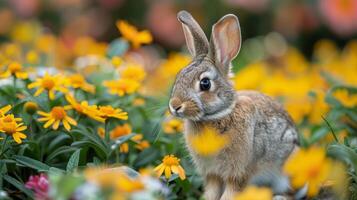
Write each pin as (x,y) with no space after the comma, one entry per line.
(107,110)
(8,125)
(14,67)
(58,113)
(48,83)
(170,160)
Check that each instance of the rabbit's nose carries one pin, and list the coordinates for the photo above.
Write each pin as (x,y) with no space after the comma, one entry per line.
(175,105)
(177,109)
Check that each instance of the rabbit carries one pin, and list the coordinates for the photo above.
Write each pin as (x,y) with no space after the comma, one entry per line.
(261,133)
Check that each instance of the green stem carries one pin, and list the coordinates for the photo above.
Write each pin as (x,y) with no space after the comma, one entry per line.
(106,129)
(3,145)
(14,83)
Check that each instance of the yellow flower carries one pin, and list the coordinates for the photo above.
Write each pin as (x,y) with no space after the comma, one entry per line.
(78,81)
(298,108)
(126,184)
(84,108)
(4,110)
(49,83)
(120,130)
(143,144)
(124,148)
(46,43)
(346,99)
(134,36)
(140,143)
(110,112)
(32,57)
(30,107)
(172,126)
(116,61)
(122,86)
(309,166)
(14,69)
(57,115)
(12,50)
(319,108)
(114,178)
(213,141)
(9,126)
(24,31)
(133,72)
(138,102)
(250,77)
(254,193)
(170,164)
(101,132)
(84,46)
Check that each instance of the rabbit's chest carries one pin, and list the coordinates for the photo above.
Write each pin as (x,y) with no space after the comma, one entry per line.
(229,161)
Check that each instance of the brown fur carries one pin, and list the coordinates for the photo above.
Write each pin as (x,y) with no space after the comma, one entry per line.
(261,134)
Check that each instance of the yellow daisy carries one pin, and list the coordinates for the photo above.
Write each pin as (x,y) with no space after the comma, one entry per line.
(122,86)
(84,108)
(309,166)
(50,83)
(78,81)
(213,142)
(132,34)
(110,112)
(254,193)
(172,126)
(9,126)
(14,69)
(170,164)
(4,110)
(134,72)
(56,116)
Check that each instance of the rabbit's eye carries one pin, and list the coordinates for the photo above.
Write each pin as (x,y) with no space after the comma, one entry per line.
(205,84)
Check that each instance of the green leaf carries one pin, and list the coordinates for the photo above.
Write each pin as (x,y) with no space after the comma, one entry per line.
(317,135)
(344,153)
(29,162)
(64,185)
(73,161)
(117,47)
(95,138)
(58,141)
(98,149)
(146,156)
(59,151)
(19,186)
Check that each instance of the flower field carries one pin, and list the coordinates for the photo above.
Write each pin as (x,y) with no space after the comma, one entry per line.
(91,121)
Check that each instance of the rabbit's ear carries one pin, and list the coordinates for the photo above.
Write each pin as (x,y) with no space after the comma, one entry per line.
(225,42)
(196,39)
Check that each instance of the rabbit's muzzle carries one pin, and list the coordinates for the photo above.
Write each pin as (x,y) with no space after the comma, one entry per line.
(184,109)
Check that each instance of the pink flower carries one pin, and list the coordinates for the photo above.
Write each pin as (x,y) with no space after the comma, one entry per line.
(340,15)
(250,5)
(40,185)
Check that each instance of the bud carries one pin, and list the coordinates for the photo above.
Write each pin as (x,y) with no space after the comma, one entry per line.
(116,61)
(30,107)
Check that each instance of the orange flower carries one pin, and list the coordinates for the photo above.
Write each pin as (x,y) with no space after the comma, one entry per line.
(170,164)
(57,115)
(129,32)
(110,112)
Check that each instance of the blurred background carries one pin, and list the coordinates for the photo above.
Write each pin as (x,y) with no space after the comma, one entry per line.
(300,22)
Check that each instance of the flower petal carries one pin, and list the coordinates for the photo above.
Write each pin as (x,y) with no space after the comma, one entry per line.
(56,124)
(66,125)
(49,123)
(71,120)
(167,172)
